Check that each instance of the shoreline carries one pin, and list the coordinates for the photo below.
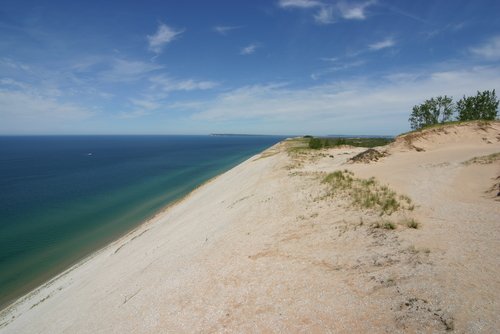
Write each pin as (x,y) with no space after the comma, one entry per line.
(271,245)
(121,237)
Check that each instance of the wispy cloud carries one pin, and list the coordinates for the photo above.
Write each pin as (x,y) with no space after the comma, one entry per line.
(325,15)
(347,62)
(299,3)
(224,30)
(330,59)
(384,44)
(384,106)
(121,70)
(7,62)
(145,103)
(448,28)
(405,14)
(56,93)
(133,114)
(156,96)
(490,50)
(340,67)
(30,112)
(354,11)
(163,35)
(249,49)
(167,84)
(9,82)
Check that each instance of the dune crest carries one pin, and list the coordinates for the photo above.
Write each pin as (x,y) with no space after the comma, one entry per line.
(448,135)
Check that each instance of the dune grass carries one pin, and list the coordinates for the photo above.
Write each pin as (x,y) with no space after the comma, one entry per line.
(366,193)
(484,160)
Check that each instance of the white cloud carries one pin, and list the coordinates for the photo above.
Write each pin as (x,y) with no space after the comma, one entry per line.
(360,105)
(329,13)
(330,59)
(299,3)
(14,64)
(352,11)
(224,30)
(28,112)
(162,37)
(344,65)
(249,49)
(406,14)
(448,28)
(13,83)
(121,70)
(386,43)
(325,15)
(489,50)
(133,114)
(337,68)
(155,97)
(145,103)
(167,84)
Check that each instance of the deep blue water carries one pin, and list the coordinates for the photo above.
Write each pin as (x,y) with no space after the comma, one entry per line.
(63,197)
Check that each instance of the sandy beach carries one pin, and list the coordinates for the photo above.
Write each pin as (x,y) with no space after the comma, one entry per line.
(269,246)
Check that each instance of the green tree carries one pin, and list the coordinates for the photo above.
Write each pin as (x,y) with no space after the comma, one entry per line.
(482,106)
(433,111)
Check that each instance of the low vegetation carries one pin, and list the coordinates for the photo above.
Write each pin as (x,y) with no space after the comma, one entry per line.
(366,193)
(412,223)
(387,225)
(297,144)
(319,143)
(441,109)
(484,160)
(368,156)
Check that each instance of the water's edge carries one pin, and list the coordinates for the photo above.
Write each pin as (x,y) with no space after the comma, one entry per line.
(120,238)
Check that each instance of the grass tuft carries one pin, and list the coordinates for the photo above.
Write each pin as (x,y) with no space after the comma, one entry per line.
(387,225)
(412,223)
(366,193)
(484,160)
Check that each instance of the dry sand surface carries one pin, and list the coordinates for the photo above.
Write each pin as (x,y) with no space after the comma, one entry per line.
(269,247)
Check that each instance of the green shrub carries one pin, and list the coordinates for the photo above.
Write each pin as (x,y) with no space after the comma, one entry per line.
(315,143)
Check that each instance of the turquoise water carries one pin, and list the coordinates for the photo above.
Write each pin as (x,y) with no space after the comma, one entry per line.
(63,197)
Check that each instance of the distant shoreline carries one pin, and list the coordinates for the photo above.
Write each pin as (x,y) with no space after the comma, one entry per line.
(241,135)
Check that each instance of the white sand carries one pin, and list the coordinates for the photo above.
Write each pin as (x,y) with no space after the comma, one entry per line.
(258,249)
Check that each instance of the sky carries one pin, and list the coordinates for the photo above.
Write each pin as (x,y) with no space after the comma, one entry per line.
(256,67)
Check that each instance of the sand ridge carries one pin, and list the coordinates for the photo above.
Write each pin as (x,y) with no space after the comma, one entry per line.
(266,247)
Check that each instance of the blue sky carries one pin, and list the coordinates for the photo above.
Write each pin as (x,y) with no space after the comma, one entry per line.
(262,67)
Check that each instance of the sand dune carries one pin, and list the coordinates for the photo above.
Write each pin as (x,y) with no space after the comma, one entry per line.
(270,247)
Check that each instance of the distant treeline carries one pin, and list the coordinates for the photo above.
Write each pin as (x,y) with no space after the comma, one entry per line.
(442,109)
(318,143)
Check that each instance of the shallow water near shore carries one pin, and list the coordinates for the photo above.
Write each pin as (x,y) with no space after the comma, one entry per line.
(63,197)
